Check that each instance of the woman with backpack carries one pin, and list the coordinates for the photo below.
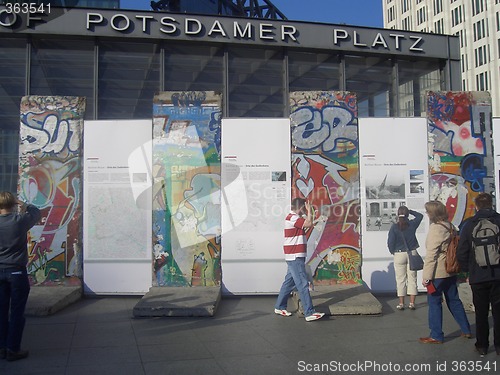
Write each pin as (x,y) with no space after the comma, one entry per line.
(435,278)
(400,240)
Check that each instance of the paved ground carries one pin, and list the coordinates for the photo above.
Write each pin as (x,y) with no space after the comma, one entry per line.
(100,336)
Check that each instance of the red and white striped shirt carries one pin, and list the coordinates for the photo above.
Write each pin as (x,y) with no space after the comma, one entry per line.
(295,245)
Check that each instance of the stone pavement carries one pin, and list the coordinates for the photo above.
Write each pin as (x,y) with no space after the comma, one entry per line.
(101,336)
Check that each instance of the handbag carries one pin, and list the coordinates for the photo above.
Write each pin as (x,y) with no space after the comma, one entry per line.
(415,261)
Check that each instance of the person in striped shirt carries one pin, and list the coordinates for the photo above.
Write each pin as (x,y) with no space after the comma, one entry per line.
(295,248)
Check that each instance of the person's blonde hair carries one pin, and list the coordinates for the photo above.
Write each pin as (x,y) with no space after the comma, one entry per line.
(7,200)
(436,211)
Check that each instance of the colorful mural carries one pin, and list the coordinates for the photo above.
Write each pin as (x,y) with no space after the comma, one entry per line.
(460,149)
(50,178)
(186,193)
(325,171)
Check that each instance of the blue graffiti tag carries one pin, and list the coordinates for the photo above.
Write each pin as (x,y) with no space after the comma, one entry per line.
(214,125)
(441,107)
(325,127)
(443,140)
(474,171)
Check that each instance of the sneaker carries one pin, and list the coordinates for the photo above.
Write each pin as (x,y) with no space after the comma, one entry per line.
(282,312)
(314,316)
(482,351)
(411,306)
(14,356)
(466,335)
(400,306)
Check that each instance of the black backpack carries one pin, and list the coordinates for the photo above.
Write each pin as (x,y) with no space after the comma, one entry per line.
(485,242)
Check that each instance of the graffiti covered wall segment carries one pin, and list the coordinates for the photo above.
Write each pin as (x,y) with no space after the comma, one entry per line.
(460,149)
(325,171)
(50,177)
(186,191)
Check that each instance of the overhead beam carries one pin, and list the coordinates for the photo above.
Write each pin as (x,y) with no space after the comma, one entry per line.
(263,9)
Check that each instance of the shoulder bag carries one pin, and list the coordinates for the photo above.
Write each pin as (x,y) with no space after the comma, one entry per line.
(414,259)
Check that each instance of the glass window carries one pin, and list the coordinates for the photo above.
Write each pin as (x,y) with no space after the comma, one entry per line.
(255,83)
(9,158)
(12,88)
(438,6)
(370,78)
(63,67)
(193,68)
(12,81)
(313,71)
(128,79)
(414,79)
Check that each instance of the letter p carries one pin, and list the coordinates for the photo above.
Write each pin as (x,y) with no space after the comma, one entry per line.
(94,18)
(339,34)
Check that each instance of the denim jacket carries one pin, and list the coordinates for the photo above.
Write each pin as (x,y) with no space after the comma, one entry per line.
(395,240)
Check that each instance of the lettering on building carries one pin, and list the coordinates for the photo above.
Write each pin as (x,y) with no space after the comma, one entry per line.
(206,28)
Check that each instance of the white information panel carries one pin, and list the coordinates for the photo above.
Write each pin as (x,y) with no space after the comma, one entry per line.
(255,201)
(117,218)
(496,151)
(394,172)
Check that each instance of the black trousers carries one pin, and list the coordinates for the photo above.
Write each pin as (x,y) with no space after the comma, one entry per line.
(484,294)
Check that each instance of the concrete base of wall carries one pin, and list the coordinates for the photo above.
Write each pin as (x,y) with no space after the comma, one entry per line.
(178,301)
(47,300)
(341,300)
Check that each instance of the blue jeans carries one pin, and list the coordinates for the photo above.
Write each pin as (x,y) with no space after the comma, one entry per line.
(448,287)
(296,278)
(14,291)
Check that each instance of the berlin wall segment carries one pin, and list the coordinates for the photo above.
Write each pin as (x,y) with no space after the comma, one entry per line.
(325,171)
(50,177)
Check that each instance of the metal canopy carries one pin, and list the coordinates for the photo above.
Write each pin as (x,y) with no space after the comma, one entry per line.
(239,8)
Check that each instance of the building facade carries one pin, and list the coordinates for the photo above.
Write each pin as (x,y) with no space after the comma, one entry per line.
(119,60)
(475,22)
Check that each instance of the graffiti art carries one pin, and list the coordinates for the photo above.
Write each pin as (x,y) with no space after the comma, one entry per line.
(325,171)
(50,177)
(460,150)
(186,196)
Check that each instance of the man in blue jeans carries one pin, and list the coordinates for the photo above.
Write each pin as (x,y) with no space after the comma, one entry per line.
(14,282)
(295,248)
(484,281)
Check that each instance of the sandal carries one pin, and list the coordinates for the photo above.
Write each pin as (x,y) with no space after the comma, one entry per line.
(400,306)
(411,306)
